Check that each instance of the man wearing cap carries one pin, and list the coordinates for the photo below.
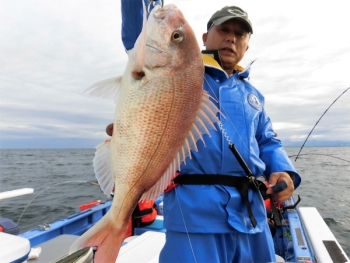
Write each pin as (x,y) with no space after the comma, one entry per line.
(214,222)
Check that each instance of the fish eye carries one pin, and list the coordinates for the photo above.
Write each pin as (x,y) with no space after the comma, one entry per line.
(177,36)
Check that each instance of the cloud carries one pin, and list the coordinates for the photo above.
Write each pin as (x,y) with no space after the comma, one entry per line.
(51,51)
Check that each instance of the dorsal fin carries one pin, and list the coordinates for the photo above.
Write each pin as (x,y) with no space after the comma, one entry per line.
(102,167)
(205,119)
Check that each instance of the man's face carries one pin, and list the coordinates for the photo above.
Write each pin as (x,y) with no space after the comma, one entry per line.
(231,39)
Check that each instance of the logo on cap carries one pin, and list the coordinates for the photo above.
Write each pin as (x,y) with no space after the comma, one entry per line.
(237,12)
(254,101)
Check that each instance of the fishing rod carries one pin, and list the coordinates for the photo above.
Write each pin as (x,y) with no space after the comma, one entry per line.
(319,121)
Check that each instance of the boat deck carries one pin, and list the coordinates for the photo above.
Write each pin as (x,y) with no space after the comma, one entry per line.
(56,248)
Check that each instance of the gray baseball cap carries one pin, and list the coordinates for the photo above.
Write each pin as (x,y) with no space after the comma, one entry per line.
(227,13)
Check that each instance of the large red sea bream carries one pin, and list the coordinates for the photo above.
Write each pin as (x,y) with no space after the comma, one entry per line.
(161,111)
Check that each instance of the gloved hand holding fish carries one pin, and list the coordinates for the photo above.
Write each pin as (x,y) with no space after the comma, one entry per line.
(161,112)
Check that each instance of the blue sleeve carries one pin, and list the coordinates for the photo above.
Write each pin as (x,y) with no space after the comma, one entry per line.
(132,11)
(271,151)
(132,16)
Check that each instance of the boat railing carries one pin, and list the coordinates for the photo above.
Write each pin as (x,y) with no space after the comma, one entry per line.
(15,193)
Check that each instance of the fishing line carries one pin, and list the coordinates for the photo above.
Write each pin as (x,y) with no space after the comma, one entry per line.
(321,154)
(183,220)
(318,122)
(65,182)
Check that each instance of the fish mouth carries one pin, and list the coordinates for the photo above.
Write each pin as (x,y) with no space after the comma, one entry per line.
(154,48)
(162,12)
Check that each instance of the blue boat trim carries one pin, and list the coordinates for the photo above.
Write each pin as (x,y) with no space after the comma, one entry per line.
(75,224)
(21,259)
(291,241)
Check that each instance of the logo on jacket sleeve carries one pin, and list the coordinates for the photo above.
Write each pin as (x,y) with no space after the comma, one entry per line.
(254,101)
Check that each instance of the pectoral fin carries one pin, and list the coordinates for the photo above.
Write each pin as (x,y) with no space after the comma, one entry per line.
(108,88)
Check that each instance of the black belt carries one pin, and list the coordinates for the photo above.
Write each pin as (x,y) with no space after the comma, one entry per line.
(242,183)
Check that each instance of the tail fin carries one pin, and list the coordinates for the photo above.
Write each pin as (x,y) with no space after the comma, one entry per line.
(105,236)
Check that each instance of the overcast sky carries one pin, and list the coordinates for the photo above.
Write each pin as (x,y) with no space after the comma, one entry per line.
(51,51)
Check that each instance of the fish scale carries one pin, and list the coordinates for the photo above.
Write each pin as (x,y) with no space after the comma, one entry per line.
(155,134)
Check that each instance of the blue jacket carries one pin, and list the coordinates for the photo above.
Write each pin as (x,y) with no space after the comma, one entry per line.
(219,209)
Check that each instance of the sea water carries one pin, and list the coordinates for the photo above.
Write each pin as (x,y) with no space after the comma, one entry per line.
(64,178)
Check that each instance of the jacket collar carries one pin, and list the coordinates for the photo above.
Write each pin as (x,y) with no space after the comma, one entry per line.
(212,59)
